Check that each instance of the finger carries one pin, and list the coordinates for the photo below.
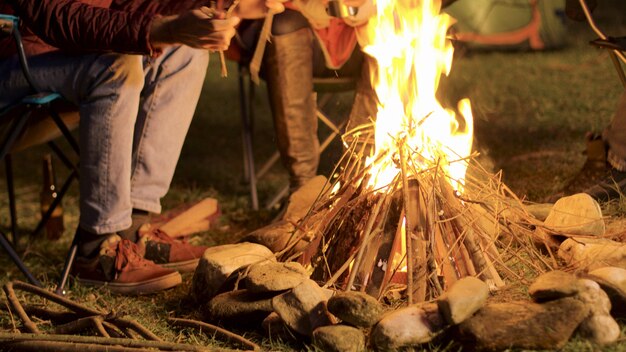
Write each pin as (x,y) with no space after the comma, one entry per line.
(210,13)
(275,6)
(222,25)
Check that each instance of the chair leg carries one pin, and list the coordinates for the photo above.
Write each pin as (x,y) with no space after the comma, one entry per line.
(4,242)
(64,159)
(64,130)
(8,165)
(67,267)
(246,96)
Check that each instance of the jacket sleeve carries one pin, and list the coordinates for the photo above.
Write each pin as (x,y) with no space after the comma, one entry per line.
(75,26)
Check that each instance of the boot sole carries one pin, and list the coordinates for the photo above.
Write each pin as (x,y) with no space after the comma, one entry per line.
(138,288)
(184,266)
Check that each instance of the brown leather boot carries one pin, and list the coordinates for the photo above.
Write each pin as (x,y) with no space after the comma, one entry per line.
(289,76)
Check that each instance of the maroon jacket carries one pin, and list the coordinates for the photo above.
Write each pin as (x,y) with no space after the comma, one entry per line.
(88,25)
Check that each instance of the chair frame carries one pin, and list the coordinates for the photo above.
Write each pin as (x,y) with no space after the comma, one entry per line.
(616,53)
(17,126)
(246,95)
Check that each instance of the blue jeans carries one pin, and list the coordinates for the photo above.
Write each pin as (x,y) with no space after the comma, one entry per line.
(134,116)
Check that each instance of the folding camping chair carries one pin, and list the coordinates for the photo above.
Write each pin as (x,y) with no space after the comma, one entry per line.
(615,45)
(36,119)
(325,87)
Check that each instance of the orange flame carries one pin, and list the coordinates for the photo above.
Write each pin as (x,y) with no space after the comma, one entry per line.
(407,39)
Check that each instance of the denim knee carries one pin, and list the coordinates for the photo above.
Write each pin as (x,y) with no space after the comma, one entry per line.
(127,71)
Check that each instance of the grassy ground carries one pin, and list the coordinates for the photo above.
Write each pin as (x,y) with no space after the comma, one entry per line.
(531,112)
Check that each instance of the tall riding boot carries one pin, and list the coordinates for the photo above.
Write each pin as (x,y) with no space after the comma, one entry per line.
(289,76)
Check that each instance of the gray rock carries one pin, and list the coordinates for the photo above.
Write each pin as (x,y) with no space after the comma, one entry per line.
(355,308)
(237,308)
(599,326)
(303,308)
(270,277)
(600,329)
(339,338)
(303,199)
(554,285)
(405,327)
(523,324)
(613,282)
(276,328)
(276,236)
(540,211)
(217,263)
(591,294)
(464,298)
(578,214)
(593,253)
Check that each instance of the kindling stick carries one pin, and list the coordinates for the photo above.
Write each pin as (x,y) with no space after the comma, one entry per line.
(255,64)
(229,13)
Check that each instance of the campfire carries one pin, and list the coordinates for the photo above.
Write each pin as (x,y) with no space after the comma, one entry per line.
(410,203)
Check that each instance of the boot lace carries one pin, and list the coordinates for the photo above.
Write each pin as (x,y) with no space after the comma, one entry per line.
(127,252)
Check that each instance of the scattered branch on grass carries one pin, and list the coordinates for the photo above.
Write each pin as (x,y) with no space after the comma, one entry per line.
(209,328)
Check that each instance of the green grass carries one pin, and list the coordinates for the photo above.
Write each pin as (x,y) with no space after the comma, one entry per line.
(531,112)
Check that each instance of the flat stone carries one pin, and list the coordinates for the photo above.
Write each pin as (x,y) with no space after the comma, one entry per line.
(303,308)
(339,338)
(613,282)
(599,326)
(523,324)
(356,308)
(271,277)
(464,298)
(217,263)
(276,236)
(592,253)
(406,327)
(540,211)
(578,214)
(554,285)
(304,197)
(236,308)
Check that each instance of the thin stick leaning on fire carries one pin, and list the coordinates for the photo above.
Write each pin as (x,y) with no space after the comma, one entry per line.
(264,37)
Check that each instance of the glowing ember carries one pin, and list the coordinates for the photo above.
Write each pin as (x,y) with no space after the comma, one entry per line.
(408,40)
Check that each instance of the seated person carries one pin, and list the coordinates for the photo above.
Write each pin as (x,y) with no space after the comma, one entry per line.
(135,70)
(306,43)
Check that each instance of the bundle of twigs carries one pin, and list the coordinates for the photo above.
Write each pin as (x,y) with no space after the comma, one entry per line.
(417,227)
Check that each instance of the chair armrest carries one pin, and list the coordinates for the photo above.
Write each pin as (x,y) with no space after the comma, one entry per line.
(10,24)
(7,23)
(613,43)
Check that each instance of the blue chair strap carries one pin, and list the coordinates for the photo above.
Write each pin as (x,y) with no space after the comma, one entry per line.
(41,98)
(11,20)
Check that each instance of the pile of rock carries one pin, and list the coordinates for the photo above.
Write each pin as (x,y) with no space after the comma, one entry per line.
(242,286)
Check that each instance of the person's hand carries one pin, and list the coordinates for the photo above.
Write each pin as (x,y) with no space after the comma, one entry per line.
(201,28)
(253,9)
